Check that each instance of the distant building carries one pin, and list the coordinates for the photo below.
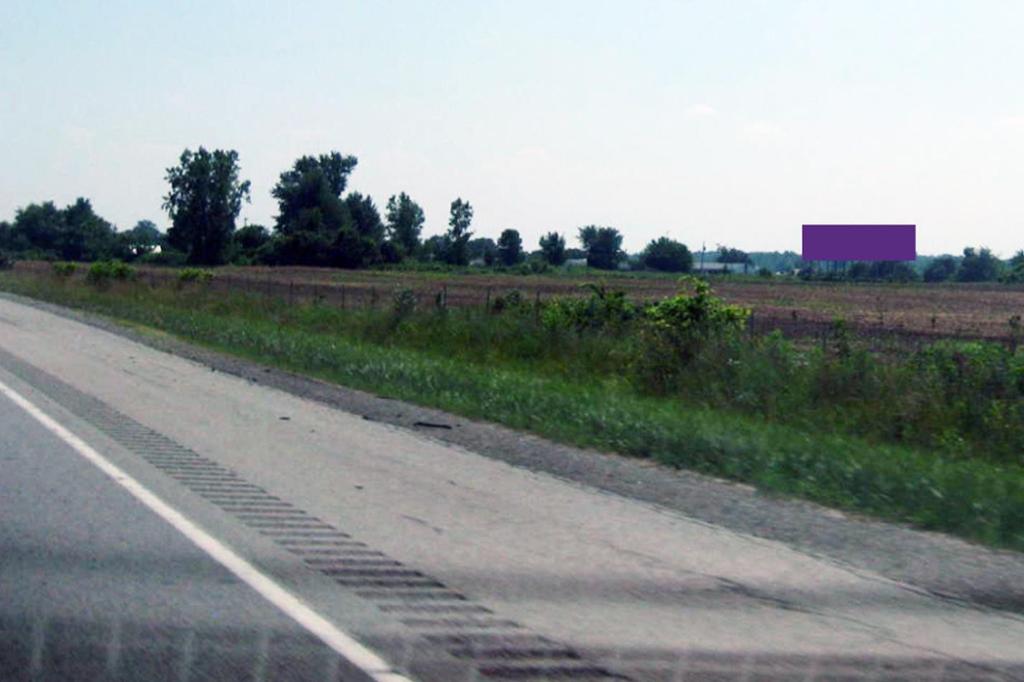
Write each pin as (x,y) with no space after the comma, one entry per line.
(718,268)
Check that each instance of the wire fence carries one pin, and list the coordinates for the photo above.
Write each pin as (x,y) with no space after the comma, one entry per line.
(427,293)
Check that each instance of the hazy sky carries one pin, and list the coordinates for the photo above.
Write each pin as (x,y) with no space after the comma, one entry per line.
(721,122)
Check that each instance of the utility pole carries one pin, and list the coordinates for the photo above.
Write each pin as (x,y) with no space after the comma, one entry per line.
(703,246)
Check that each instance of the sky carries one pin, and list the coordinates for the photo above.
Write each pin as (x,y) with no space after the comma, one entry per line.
(708,122)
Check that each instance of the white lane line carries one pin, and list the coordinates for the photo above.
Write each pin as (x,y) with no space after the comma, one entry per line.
(357,654)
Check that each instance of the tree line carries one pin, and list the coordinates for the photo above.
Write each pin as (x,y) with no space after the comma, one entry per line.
(974,265)
(319,224)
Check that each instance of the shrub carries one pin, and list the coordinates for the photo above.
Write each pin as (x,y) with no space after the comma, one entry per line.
(403,303)
(102,272)
(602,309)
(64,270)
(6,260)
(511,300)
(678,330)
(197,275)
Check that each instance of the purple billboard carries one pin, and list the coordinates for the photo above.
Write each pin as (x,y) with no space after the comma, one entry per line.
(860,242)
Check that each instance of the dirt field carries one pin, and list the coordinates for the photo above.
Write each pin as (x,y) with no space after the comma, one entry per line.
(916,311)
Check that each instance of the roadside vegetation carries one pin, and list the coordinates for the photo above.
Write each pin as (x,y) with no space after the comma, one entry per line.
(934,437)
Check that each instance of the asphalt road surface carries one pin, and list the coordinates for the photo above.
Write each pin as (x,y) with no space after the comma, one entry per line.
(159,520)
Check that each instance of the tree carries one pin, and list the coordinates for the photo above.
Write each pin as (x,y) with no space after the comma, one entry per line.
(458,235)
(313,184)
(141,239)
(205,199)
(892,271)
(9,239)
(75,232)
(978,266)
(483,248)
(730,255)
(84,235)
(510,247)
(251,242)
(433,248)
(38,226)
(941,269)
(404,223)
(667,255)
(552,247)
(603,246)
(363,246)
(1016,268)
(315,226)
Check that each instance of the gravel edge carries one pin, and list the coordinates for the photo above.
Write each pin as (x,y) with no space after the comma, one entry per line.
(938,564)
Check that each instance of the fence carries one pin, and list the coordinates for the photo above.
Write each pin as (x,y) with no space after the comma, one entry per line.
(455,293)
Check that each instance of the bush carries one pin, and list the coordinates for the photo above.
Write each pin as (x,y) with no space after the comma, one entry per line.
(403,303)
(103,272)
(197,275)
(509,301)
(603,309)
(64,270)
(678,330)
(6,260)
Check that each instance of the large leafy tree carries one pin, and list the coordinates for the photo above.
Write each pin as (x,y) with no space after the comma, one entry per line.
(455,249)
(978,266)
(309,194)
(359,243)
(250,243)
(510,247)
(404,223)
(144,237)
(941,269)
(732,255)
(84,235)
(9,239)
(552,247)
(75,232)
(1015,271)
(667,255)
(603,246)
(39,227)
(205,199)
(315,225)
(482,247)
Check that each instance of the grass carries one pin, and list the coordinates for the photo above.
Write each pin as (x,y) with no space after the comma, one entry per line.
(975,497)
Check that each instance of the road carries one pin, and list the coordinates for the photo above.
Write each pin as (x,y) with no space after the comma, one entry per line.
(445,564)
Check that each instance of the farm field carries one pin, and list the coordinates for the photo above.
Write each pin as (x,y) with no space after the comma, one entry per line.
(911,311)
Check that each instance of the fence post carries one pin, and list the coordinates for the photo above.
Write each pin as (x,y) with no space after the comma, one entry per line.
(291,291)
(373,297)
(342,296)
(487,304)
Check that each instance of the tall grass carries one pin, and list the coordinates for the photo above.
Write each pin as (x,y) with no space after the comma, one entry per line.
(834,425)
